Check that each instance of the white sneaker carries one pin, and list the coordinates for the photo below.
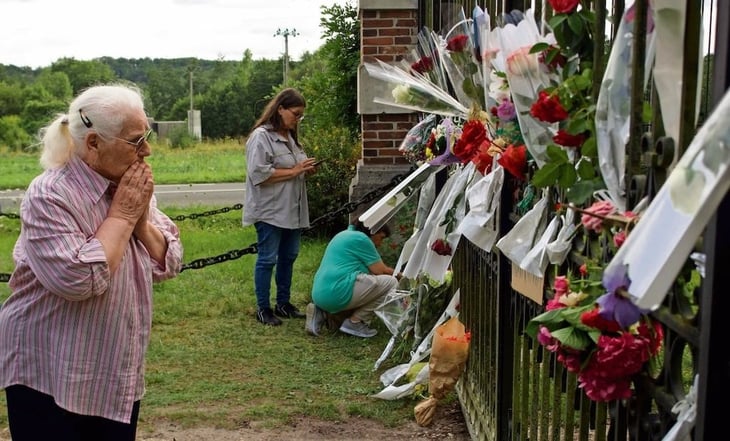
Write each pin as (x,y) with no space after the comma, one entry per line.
(359,329)
(315,319)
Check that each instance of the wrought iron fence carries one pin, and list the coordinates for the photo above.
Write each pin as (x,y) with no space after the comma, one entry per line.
(512,388)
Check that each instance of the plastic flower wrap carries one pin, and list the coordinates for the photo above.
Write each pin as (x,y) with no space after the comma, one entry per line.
(461,60)
(414,92)
(526,76)
(613,108)
(439,148)
(415,145)
(596,332)
(424,60)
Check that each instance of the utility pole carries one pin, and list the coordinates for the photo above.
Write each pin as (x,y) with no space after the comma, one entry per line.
(191,90)
(286,33)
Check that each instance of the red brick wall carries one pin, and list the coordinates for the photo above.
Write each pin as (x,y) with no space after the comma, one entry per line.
(386,35)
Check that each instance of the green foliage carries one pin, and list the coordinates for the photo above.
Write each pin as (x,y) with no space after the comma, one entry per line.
(12,134)
(180,138)
(576,173)
(328,78)
(83,74)
(11,98)
(328,188)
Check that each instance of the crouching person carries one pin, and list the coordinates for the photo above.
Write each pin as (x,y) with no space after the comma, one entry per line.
(352,277)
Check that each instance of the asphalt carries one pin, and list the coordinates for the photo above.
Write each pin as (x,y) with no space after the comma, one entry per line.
(174,195)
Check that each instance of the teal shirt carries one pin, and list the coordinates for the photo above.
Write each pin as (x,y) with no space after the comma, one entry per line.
(348,254)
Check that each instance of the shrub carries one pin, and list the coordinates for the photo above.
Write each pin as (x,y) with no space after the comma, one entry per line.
(328,188)
(12,134)
(179,137)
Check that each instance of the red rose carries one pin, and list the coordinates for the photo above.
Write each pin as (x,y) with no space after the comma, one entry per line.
(457,44)
(425,64)
(567,140)
(593,319)
(548,108)
(483,160)
(472,136)
(514,160)
(441,247)
(557,60)
(564,6)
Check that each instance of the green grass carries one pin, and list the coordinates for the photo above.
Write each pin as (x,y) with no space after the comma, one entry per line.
(211,364)
(203,163)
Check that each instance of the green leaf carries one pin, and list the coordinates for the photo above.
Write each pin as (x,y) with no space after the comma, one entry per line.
(557,154)
(585,169)
(576,126)
(576,25)
(556,20)
(590,148)
(572,337)
(547,175)
(568,176)
(539,47)
(581,192)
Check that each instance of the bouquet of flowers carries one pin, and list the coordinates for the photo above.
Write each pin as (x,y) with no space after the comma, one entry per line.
(598,334)
(417,142)
(415,92)
(461,60)
(526,75)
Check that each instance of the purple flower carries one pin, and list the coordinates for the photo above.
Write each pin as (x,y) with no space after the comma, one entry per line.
(506,111)
(614,305)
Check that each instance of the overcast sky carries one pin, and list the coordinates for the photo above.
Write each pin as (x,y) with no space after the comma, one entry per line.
(36,33)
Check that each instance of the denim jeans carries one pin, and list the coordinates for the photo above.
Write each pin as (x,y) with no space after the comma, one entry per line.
(276,247)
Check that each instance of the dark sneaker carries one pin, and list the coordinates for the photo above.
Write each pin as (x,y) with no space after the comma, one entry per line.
(266,316)
(359,329)
(315,319)
(287,310)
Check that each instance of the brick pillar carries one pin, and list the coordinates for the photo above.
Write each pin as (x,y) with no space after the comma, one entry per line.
(388,30)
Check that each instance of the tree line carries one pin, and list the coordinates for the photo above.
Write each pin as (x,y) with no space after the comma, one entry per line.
(229,94)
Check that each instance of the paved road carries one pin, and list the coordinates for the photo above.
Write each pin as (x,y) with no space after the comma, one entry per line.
(176,195)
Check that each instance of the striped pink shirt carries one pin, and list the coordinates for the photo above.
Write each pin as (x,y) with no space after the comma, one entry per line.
(71,329)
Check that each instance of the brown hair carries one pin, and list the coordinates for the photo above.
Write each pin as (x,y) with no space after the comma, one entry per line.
(287,98)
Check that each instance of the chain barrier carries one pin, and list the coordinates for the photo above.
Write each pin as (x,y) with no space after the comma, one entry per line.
(253,248)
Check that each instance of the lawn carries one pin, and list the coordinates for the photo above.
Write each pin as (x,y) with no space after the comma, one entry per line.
(210,362)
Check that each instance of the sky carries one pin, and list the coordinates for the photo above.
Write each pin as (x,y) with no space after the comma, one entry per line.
(36,33)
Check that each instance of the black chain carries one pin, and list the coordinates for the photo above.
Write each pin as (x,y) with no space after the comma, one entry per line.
(352,206)
(253,248)
(207,213)
(231,255)
(10,215)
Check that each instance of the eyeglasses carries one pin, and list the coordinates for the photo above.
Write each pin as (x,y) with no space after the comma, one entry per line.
(138,143)
(298,116)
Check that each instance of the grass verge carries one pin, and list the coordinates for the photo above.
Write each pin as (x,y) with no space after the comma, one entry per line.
(210,363)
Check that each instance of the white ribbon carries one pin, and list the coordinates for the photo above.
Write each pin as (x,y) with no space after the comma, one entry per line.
(686,410)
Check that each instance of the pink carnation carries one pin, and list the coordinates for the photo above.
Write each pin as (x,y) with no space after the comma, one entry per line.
(600,208)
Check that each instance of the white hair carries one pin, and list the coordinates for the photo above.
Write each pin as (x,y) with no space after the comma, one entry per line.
(103,109)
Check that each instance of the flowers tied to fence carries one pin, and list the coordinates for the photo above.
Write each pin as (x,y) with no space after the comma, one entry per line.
(596,332)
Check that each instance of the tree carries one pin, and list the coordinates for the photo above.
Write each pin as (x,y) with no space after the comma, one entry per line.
(83,74)
(329,77)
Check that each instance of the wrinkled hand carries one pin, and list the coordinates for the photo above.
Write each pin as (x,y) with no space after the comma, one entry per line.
(132,198)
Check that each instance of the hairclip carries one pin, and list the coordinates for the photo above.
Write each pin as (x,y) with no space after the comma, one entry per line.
(85,119)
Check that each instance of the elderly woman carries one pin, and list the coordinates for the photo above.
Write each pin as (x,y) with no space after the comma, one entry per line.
(75,329)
